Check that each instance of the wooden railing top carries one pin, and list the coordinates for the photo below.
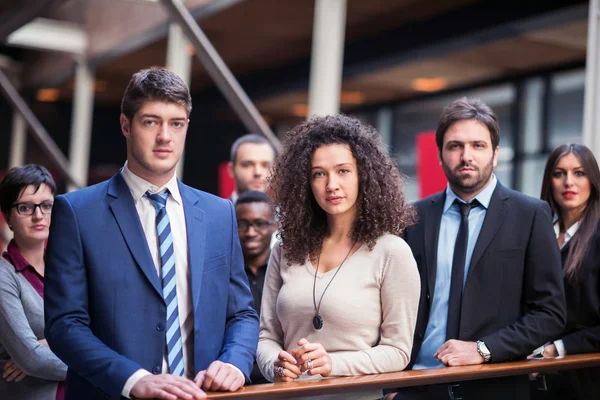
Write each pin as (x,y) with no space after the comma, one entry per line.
(408,378)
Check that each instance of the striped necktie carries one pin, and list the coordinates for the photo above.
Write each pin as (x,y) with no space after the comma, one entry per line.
(167,260)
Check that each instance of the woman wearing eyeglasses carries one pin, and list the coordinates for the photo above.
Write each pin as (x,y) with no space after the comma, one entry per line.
(29,368)
(342,291)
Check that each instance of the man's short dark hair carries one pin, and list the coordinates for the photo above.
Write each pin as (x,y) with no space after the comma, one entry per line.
(155,84)
(17,179)
(249,138)
(464,109)
(254,196)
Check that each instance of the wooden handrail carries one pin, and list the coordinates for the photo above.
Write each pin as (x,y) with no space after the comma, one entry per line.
(408,378)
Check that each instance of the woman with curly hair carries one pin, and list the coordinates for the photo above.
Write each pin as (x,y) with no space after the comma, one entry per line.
(342,288)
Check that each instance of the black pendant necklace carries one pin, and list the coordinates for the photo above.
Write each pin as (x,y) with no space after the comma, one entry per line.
(317,319)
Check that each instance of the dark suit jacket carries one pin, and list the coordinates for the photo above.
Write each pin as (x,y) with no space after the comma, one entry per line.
(582,333)
(514,296)
(105,313)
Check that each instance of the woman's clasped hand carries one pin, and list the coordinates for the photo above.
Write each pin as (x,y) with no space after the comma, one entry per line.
(308,357)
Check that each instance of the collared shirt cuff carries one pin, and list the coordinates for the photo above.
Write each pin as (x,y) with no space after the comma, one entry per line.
(239,371)
(137,375)
(560,348)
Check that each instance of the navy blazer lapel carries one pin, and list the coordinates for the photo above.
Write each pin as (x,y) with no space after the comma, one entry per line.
(128,220)
(493,219)
(433,219)
(196,235)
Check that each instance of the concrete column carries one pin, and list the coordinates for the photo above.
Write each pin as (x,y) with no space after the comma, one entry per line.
(385,125)
(218,71)
(18,142)
(179,61)
(329,28)
(530,169)
(591,109)
(81,123)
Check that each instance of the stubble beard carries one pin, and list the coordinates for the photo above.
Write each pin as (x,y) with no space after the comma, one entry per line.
(468,184)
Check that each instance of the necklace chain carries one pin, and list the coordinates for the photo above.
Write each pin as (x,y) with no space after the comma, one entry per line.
(318,307)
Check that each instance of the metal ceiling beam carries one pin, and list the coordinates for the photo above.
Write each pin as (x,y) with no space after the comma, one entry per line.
(591,120)
(52,35)
(54,69)
(40,134)
(160,31)
(219,72)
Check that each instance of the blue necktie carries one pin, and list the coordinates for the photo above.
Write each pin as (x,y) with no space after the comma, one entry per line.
(167,260)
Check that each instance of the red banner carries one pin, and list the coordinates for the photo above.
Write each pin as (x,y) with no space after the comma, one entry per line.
(430,174)
(226,182)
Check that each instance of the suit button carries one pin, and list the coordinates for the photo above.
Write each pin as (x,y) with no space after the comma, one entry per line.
(160,326)
(420,335)
(156,370)
(428,296)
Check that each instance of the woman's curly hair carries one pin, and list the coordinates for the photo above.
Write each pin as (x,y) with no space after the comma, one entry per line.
(381,206)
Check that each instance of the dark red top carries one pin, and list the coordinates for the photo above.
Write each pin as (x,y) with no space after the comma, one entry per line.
(14,256)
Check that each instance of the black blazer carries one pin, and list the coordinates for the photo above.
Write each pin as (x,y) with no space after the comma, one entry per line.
(514,296)
(582,333)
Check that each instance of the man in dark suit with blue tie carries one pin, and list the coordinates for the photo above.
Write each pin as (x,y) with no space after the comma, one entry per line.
(145,290)
(491,277)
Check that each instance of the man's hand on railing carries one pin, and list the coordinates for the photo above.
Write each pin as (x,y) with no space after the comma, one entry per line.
(166,387)
(286,368)
(455,353)
(313,358)
(220,376)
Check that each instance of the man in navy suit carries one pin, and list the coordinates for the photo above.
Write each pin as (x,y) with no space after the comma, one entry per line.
(145,290)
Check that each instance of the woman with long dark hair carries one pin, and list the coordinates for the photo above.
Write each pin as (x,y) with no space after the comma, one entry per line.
(342,288)
(571,186)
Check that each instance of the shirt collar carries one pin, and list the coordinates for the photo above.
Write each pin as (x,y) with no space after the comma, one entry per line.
(569,233)
(14,256)
(484,197)
(138,186)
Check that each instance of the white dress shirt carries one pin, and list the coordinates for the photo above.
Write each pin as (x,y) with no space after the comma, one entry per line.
(147,213)
(568,234)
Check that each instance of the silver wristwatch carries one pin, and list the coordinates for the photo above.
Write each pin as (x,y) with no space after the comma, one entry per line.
(484,351)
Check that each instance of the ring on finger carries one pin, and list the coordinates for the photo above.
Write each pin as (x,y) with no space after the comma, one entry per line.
(309,364)
(279,371)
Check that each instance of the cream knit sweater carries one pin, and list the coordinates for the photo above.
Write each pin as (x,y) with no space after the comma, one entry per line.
(369,311)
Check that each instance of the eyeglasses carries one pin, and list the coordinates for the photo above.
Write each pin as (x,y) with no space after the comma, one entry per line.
(259,224)
(29,208)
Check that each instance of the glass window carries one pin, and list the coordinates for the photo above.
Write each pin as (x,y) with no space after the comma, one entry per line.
(566,108)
